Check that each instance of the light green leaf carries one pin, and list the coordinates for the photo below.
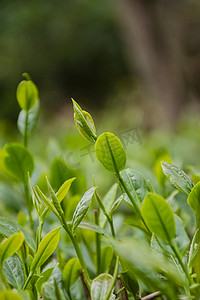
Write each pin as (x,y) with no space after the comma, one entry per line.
(44,276)
(47,202)
(84,123)
(194,198)
(54,199)
(82,208)
(116,204)
(10,246)
(18,161)
(178,177)
(181,240)
(108,201)
(100,286)
(8,228)
(32,119)
(14,271)
(27,94)
(159,216)
(110,152)
(137,186)
(63,190)
(71,273)
(9,295)
(46,248)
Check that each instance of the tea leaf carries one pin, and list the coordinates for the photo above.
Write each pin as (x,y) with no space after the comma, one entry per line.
(181,240)
(54,198)
(129,282)
(10,246)
(27,94)
(116,204)
(71,272)
(178,177)
(44,276)
(46,248)
(18,161)
(93,227)
(49,293)
(194,198)
(159,216)
(100,286)
(136,184)
(84,123)
(32,119)
(8,228)
(13,268)
(63,190)
(8,295)
(82,208)
(110,152)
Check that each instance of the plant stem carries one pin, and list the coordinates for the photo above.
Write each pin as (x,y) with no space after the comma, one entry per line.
(98,242)
(25,131)
(110,220)
(114,279)
(78,251)
(137,210)
(181,263)
(28,203)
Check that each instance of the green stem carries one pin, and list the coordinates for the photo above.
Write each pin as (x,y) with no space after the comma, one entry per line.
(137,210)
(28,204)
(78,251)
(27,280)
(98,242)
(114,279)
(110,220)
(181,263)
(26,131)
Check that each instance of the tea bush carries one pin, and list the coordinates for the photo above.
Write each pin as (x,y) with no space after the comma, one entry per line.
(134,242)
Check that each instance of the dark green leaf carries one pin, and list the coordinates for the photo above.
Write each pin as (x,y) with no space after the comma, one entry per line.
(82,208)
(71,273)
(129,282)
(136,184)
(110,152)
(18,161)
(49,293)
(178,177)
(8,228)
(14,271)
(159,216)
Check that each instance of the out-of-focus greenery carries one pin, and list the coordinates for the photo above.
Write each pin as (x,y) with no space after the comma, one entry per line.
(70,48)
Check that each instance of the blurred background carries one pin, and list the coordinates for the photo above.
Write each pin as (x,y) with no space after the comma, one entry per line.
(134,65)
(139,57)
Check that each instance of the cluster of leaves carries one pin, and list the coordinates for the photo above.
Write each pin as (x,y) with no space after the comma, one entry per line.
(163,262)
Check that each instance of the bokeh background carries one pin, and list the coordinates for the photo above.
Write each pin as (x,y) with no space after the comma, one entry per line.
(138,57)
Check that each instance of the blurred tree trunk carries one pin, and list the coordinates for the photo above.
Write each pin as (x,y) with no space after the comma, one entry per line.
(151,32)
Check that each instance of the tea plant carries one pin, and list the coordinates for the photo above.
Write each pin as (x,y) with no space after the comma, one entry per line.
(49,256)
